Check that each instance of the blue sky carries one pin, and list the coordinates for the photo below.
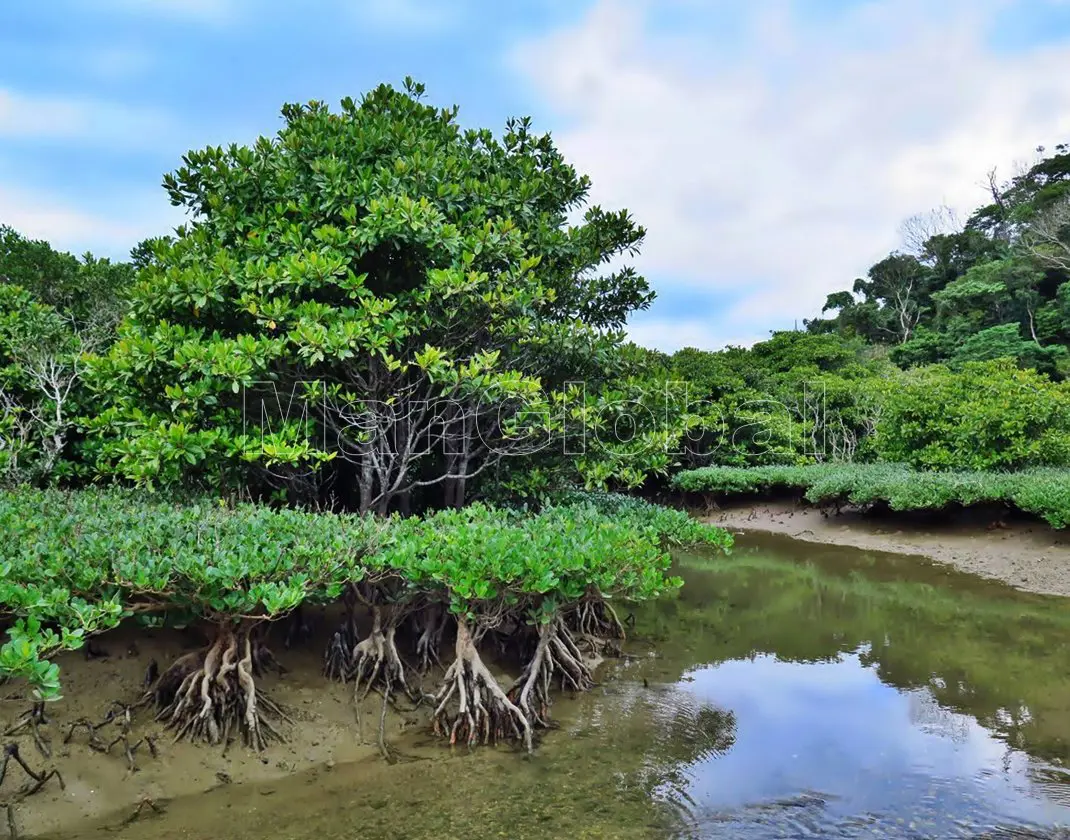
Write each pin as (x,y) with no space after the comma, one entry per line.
(772,148)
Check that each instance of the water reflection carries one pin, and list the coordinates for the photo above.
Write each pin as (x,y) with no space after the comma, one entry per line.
(828,749)
(853,703)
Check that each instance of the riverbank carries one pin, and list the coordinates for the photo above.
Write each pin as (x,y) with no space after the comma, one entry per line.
(1021,551)
(325,732)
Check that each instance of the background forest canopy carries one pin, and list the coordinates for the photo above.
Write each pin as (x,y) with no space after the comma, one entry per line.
(409,308)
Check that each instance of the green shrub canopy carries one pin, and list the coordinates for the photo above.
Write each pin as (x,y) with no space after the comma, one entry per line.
(1044,492)
(76,563)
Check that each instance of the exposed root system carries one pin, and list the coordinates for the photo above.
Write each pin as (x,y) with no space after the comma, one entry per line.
(121,716)
(431,627)
(298,628)
(143,804)
(37,780)
(596,627)
(338,657)
(32,721)
(34,784)
(471,706)
(594,616)
(556,655)
(211,695)
(376,662)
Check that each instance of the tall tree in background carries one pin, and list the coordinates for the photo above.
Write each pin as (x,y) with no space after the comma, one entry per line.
(54,310)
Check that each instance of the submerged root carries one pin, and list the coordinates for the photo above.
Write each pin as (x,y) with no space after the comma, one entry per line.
(211,695)
(556,655)
(483,712)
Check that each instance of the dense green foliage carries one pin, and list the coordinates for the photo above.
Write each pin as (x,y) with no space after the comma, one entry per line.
(674,527)
(988,416)
(540,562)
(54,309)
(81,561)
(89,293)
(1044,492)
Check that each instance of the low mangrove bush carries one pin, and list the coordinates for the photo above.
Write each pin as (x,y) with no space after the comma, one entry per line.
(538,586)
(1042,492)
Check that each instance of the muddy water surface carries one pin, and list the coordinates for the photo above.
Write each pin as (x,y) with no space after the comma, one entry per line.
(791,690)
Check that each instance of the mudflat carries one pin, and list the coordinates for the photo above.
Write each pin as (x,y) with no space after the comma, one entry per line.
(1023,552)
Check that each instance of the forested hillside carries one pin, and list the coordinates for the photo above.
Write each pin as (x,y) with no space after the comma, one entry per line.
(996,287)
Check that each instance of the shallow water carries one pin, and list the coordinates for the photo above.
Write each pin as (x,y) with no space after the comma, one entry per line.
(790,690)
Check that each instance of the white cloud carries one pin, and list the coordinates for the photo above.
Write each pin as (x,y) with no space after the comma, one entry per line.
(780,163)
(669,335)
(58,118)
(110,231)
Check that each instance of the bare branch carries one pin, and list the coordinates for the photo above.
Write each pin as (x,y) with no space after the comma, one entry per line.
(917,230)
(1047,238)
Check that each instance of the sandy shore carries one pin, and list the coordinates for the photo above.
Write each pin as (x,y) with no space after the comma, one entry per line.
(1026,553)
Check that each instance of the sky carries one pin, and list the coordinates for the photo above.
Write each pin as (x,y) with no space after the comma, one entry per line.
(771,148)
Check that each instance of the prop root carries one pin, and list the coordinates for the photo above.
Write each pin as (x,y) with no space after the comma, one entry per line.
(211,695)
(595,616)
(484,713)
(555,655)
(376,662)
(431,624)
(338,658)
(596,625)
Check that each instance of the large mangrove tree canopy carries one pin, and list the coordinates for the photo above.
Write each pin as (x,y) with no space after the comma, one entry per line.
(379,288)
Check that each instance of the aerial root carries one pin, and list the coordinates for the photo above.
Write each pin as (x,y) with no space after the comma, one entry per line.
(37,780)
(377,663)
(595,616)
(338,657)
(431,624)
(32,720)
(211,695)
(596,626)
(298,628)
(121,715)
(484,713)
(556,654)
